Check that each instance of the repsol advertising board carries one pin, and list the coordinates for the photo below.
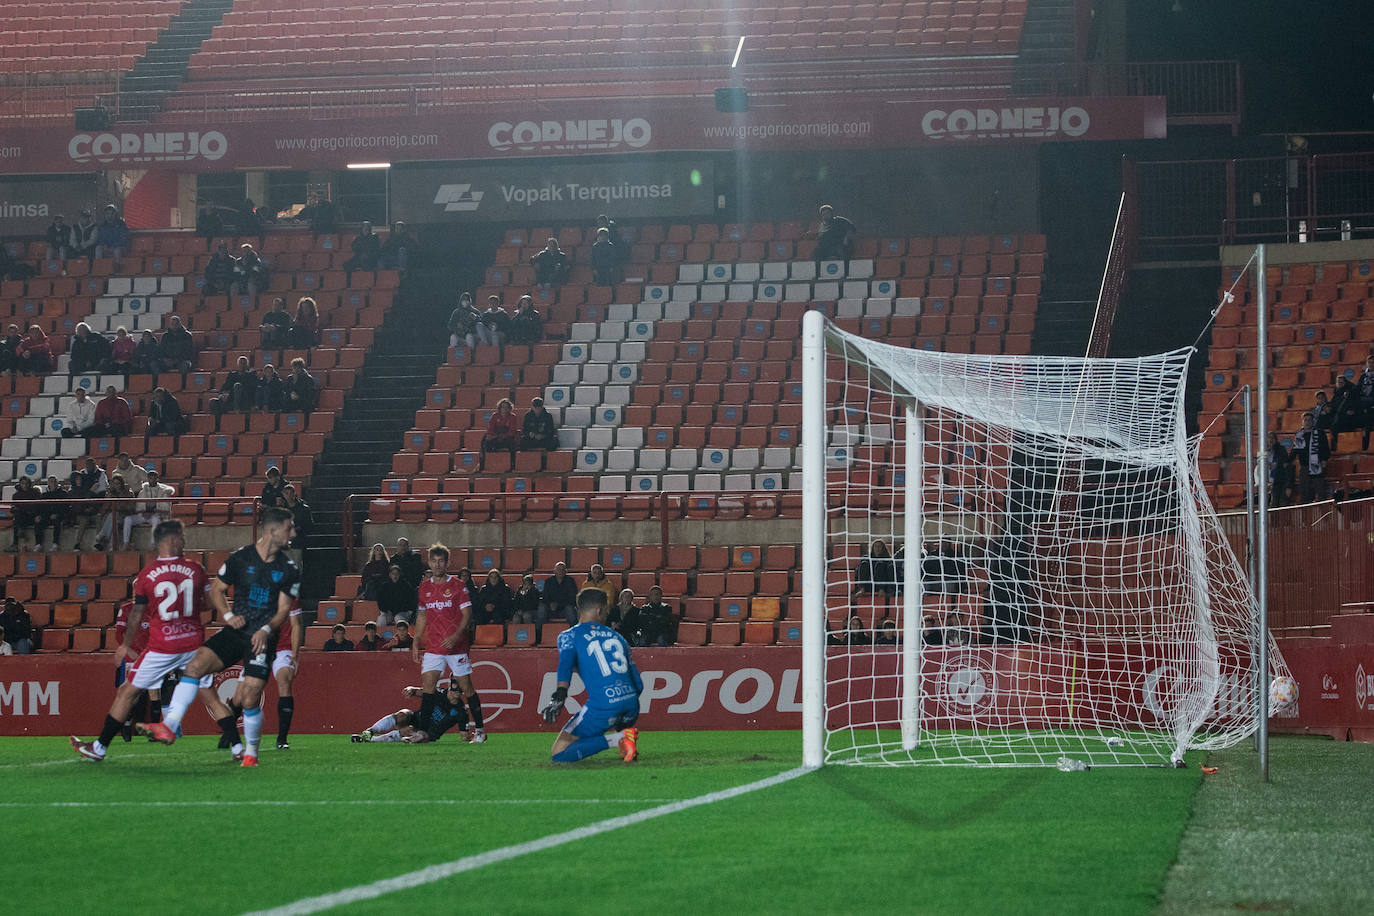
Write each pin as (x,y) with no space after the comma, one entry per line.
(28,207)
(552,190)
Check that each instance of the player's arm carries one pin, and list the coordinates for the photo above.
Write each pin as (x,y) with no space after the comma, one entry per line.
(131,626)
(417,635)
(412,691)
(267,631)
(465,618)
(567,661)
(297,638)
(218,599)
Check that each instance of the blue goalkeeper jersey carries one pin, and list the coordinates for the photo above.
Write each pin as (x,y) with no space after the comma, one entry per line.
(602,658)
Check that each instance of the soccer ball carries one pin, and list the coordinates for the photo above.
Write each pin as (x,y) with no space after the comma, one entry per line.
(1283,692)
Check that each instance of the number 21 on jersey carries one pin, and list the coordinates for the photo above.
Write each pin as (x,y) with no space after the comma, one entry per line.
(167,594)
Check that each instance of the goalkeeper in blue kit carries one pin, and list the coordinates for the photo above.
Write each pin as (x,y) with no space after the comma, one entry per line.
(601,657)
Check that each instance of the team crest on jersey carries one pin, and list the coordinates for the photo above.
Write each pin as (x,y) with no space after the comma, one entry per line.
(276,575)
(448,594)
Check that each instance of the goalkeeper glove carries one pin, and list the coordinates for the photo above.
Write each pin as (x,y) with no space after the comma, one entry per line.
(555,706)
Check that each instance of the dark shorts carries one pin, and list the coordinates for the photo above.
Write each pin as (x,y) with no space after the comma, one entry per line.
(235,647)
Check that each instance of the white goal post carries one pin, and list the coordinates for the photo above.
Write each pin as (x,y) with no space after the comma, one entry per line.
(1011,560)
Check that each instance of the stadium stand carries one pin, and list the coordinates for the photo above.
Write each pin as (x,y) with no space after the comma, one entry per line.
(1321,328)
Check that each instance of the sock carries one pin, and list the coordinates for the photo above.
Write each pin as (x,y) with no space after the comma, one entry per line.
(229,728)
(475,704)
(389,737)
(108,731)
(426,709)
(182,698)
(154,710)
(462,712)
(584,747)
(140,709)
(384,724)
(252,730)
(286,706)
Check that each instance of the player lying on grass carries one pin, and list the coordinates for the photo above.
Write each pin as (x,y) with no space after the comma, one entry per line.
(445,711)
(265,583)
(175,587)
(602,658)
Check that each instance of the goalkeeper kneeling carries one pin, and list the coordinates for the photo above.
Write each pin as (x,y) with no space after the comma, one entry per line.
(405,725)
(601,657)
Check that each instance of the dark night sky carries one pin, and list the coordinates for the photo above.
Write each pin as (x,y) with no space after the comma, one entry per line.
(1307,65)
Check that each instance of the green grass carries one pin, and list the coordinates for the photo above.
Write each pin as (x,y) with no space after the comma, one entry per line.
(846,839)
(1301,844)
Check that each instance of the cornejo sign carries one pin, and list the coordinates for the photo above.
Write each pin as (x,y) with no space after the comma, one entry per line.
(152,146)
(1006,123)
(599,134)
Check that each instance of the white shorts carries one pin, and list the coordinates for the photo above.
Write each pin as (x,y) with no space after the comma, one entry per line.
(285,659)
(457,664)
(152,668)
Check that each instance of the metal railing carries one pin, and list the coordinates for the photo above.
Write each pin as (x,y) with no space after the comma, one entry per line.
(239,511)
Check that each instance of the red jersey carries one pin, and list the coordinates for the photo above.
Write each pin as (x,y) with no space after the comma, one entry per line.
(443,605)
(284,637)
(173,590)
(140,641)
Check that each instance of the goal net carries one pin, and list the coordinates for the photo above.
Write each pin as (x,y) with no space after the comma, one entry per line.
(1009,560)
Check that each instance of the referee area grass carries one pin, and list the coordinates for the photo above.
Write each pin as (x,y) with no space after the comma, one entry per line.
(181,830)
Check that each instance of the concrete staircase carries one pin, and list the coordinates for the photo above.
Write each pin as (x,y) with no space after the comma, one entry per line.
(162,68)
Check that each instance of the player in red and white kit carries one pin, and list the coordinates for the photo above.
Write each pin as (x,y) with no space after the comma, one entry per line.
(444,625)
(170,592)
(126,658)
(284,667)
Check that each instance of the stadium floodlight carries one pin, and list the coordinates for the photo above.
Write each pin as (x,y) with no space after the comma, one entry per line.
(369,165)
(1060,590)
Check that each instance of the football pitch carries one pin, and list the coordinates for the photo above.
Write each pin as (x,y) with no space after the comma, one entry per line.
(496,828)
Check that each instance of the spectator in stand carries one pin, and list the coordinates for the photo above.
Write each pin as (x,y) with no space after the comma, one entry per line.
(623,610)
(495,323)
(402,641)
(321,214)
(367,252)
(59,240)
(272,489)
(246,218)
(552,265)
(957,632)
(122,350)
(613,234)
(209,224)
(412,563)
(301,515)
(147,355)
(17,627)
(494,602)
(90,351)
(855,634)
(35,353)
(526,606)
(305,327)
(370,642)
(876,572)
(275,329)
(1364,386)
(53,513)
(1311,451)
(465,577)
(177,349)
(271,391)
(239,391)
(1342,414)
(338,640)
(526,325)
(463,323)
(834,238)
(397,599)
(13,269)
(300,391)
(152,512)
(605,259)
(1280,462)
(559,594)
(931,634)
(400,244)
(503,432)
(650,624)
(84,517)
(254,272)
(94,479)
(538,431)
(112,519)
(164,416)
(134,475)
(373,572)
(220,271)
(112,237)
(24,516)
(5,648)
(79,419)
(9,349)
(85,236)
(596,578)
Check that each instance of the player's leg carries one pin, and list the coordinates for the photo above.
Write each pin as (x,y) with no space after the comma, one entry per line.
(462,671)
(224,648)
(124,700)
(584,735)
(284,671)
(225,718)
(432,666)
(249,697)
(400,719)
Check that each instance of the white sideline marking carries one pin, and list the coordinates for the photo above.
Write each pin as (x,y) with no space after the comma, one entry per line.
(268,803)
(57,763)
(469,863)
